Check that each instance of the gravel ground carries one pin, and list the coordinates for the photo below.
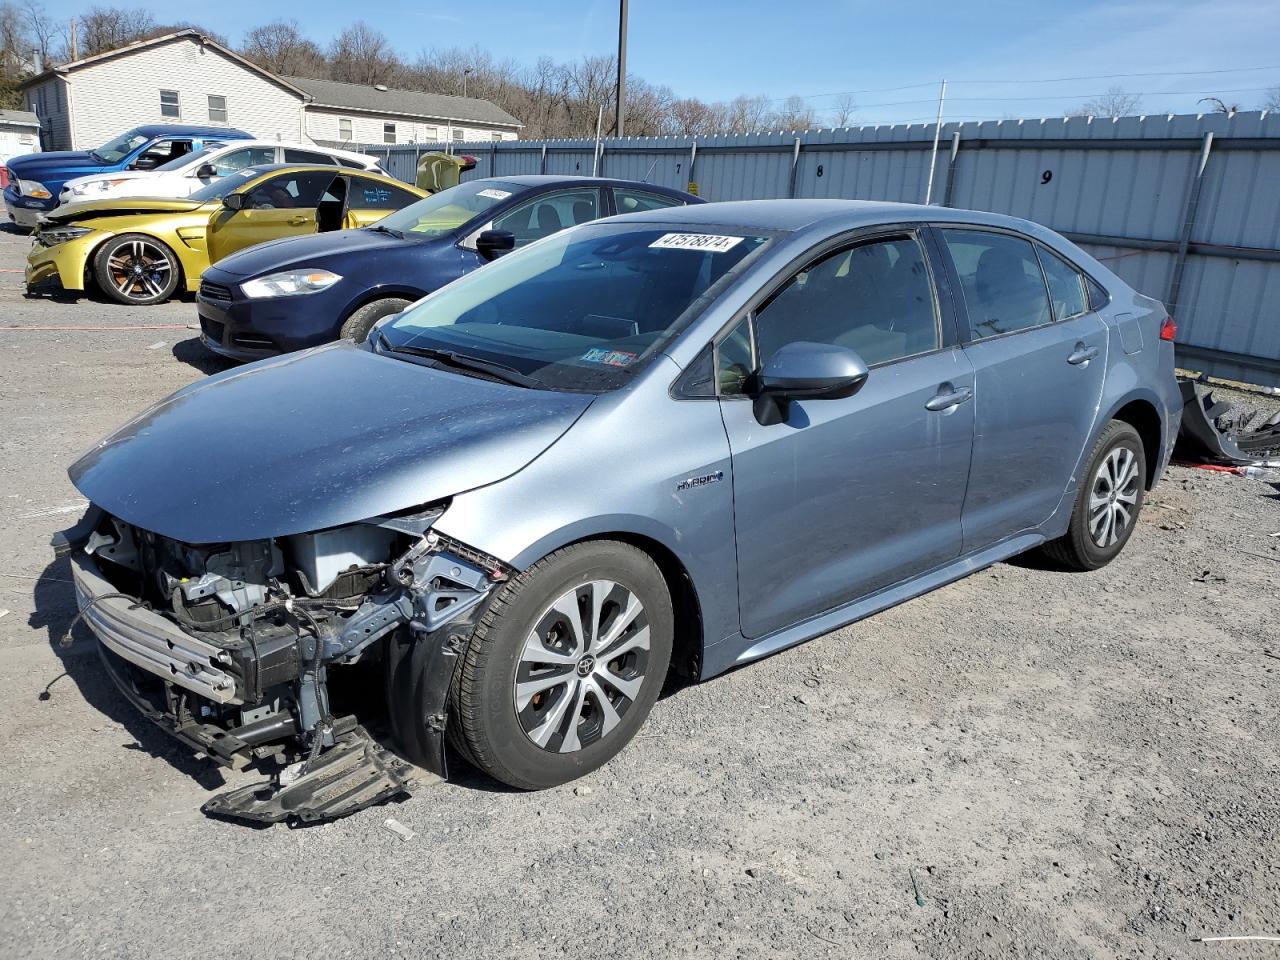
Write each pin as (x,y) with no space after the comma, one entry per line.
(1068,765)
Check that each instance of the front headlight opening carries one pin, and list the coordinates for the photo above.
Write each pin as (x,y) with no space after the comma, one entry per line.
(289,283)
(33,188)
(52,236)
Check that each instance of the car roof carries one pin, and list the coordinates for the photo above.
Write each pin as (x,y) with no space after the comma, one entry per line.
(189,130)
(796,216)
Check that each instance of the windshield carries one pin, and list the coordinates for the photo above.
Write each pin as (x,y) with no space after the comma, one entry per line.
(584,309)
(220,188)
(177,163)
(113,151)
(447,210)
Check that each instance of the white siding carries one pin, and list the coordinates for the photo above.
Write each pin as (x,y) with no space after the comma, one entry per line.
(16,139)
(108,98)
(322,124)
(48,101)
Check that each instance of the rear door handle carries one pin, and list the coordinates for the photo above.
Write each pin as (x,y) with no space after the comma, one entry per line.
(1082,354)
(949,399)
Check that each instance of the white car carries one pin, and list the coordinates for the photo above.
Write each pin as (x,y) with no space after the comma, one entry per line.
(184,175)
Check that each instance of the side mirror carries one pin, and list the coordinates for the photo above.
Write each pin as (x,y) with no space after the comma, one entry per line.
(494,243)
(144,162)
(206,171)
(233,201)
(807,371)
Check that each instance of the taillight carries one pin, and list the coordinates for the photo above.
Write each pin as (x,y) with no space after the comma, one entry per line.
(1168,329)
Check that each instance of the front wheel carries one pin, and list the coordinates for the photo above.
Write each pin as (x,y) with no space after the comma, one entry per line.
(1108,502)
(564,666)
(136,269)
(361,321)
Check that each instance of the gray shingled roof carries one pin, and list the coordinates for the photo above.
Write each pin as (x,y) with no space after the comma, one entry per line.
(19,116)
(413,103)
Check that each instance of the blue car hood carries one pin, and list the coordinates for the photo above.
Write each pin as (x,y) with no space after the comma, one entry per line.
(61,165)
(314,440)
(308,250)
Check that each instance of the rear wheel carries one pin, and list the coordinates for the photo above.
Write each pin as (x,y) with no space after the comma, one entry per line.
(360,322)
(136,269)
(564,666)
(1108,502)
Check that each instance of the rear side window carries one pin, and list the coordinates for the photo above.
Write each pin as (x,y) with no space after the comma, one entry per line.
(633,201)
(1066,286)
(376,195)
(1004,289)
(875,298)
(306,156)
(229,163)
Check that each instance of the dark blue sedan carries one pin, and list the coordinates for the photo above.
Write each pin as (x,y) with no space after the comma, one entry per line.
(304,291)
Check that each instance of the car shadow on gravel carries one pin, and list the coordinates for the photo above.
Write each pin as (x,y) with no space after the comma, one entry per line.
(195,354)
(55,611)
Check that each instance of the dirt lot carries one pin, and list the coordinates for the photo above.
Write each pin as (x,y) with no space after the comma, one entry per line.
(1068,765)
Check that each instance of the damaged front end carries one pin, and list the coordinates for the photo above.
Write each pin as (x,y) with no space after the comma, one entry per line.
(229,647)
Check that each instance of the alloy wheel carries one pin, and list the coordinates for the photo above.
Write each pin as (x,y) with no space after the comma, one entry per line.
(139,270)
(582,666)
(1113,496)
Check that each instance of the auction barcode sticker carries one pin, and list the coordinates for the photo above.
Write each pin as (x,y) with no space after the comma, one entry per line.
(493,194)
(695,241)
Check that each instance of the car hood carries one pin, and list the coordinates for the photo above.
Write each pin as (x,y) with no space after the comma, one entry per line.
(314,440)
(119,207)
(109,175)
(290,252)
(62,163)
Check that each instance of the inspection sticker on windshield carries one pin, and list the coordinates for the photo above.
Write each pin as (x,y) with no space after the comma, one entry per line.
(493,194)
(614,358)
(695,241)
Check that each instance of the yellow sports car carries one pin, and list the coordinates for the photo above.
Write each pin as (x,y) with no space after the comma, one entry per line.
(139,251)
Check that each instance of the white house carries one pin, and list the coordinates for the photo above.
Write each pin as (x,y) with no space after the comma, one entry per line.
(19,133)
(185,77)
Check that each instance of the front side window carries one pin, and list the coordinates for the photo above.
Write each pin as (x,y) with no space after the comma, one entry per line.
(344,128)
(449,209)
(584,310)
(875,298)
(217,109)
(169,106)
(1003,287)
(162,152)
(388,133)
(633,201)
(1066,286)
(290,191)
(550,213)
(735,360)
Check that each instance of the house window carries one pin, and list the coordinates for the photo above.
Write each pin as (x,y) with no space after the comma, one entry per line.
(496,136)
(430,134)
(388,133)
(217,109)
(169,104)
(344,128)
(459,134)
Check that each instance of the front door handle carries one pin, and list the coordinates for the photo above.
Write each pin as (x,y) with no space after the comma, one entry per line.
(948,398)
(1082,354)
(298,221)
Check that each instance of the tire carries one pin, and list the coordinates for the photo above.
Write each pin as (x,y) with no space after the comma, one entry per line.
(358,325)
(136,269)
(1105,512)
(526,701)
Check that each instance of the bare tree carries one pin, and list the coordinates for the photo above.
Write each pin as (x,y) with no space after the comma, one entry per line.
(796,115)
(360,54)
(1271,99)
(106,28)
(1114,103)
(1219,106)
(844,110)
(280,47)
(48,35)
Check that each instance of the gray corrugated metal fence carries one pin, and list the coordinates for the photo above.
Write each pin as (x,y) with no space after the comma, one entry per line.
(1185,208)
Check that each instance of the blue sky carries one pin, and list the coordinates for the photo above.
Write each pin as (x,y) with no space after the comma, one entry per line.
(716,50)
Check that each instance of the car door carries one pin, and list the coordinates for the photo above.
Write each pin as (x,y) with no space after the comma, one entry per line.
(369,200)
(1038,368)
(160,153)
(284,205)
(848,496)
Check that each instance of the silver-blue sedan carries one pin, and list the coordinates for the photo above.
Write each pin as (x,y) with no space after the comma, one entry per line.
(681,439)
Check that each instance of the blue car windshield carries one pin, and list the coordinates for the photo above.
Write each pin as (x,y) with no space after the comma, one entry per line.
(113,151)
(585,309)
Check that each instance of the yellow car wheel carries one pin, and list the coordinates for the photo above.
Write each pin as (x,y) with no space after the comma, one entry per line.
(136,269)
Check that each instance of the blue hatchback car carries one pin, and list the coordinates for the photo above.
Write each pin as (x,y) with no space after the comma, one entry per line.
(304,291)
(683,438)
(36,179)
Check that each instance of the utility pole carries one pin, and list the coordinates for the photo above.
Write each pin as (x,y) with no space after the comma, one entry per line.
(621,115)
(937,131)
(75,52)
(465,73)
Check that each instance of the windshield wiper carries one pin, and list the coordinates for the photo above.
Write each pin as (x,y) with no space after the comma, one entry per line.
(461,361)
(379,228)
